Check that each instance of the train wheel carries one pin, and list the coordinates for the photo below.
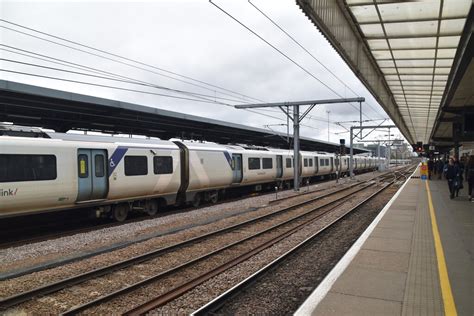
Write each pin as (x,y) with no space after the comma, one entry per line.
(197,200)
(120,212)
(214,197)
(151,207)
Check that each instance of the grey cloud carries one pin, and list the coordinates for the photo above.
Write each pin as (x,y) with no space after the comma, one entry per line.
(195,39)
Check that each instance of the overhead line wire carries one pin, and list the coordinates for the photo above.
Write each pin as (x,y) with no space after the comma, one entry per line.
(134,90)
(130,65)
(308,52)
(282,53)
(104,86)
(96,70)
(124,63)
(110,77)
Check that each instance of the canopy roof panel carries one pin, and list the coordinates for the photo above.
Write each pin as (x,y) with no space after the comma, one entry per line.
(414,44)
(411,45)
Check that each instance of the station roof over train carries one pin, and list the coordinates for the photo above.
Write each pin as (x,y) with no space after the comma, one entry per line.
(61,111)
(415,57)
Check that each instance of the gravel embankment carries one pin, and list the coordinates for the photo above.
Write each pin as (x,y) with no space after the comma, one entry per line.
(212,288)
(85,243)
(89,290)
(283,289)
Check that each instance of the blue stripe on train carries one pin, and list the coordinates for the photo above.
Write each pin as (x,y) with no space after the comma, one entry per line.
(116,157)
(228,157)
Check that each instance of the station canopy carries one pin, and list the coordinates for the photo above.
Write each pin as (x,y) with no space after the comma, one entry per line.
(63,111)
(403,51)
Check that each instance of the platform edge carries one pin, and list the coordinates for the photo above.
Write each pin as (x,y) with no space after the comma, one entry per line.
(323,288)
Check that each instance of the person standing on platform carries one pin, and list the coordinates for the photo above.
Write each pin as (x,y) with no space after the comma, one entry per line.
(470,177)
(430,168)
(450,174)
(458,181)
(440,169)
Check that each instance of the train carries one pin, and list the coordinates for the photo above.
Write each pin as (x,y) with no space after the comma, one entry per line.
(114,176)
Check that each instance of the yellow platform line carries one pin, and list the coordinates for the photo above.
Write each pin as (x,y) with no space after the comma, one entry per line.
(448,300)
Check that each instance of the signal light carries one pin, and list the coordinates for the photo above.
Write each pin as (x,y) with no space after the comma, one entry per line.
(419,147)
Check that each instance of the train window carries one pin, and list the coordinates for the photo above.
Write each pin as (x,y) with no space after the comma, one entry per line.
(310,160)
(136,165)
(16,168)
(99,166)
(163,164)
(327,162)
(288,162)
(254,163)
(305,162)
(267,163)
(83,166)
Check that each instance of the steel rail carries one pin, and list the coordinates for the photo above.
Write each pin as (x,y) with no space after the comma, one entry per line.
(68,282)
(168,272)
(188,285)
(218,302)
(386,174)
(69,232)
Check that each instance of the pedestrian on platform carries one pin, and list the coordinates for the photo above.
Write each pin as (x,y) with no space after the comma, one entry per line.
(470,177)
(430,168)
(440,169)
(458,181)
(450,173)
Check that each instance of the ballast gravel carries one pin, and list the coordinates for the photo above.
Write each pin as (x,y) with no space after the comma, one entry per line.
(49,250)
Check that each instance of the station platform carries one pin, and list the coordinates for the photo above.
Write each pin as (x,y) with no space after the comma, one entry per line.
(416,258)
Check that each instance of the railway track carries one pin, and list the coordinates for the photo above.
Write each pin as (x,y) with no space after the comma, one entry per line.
(327,202)
(215,306)
(52,226)
(168,296)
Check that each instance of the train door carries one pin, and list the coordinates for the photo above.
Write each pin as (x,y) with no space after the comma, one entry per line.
(316,164)
(332,164)
(237,168)
(279,160)
(92,174)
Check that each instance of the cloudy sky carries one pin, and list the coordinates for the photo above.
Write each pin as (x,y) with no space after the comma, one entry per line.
(189,38)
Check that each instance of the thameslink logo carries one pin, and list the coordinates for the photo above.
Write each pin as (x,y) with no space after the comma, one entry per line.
(8,192)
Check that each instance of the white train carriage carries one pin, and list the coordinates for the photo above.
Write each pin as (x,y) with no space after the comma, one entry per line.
(115,175)
(357,163)
(207,168)
(307,163)
(325,164)
(260,166)
(286,157)
(342,164)
(66,171)
(29,176)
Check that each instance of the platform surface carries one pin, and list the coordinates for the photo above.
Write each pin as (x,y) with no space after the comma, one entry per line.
(398,270)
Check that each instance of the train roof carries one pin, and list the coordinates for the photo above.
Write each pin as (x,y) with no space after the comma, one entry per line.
(106,139)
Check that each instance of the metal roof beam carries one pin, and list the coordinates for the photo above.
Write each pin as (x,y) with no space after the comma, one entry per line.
(378,37)
(333,21)
(381,2)
(292,103)
(413,20)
